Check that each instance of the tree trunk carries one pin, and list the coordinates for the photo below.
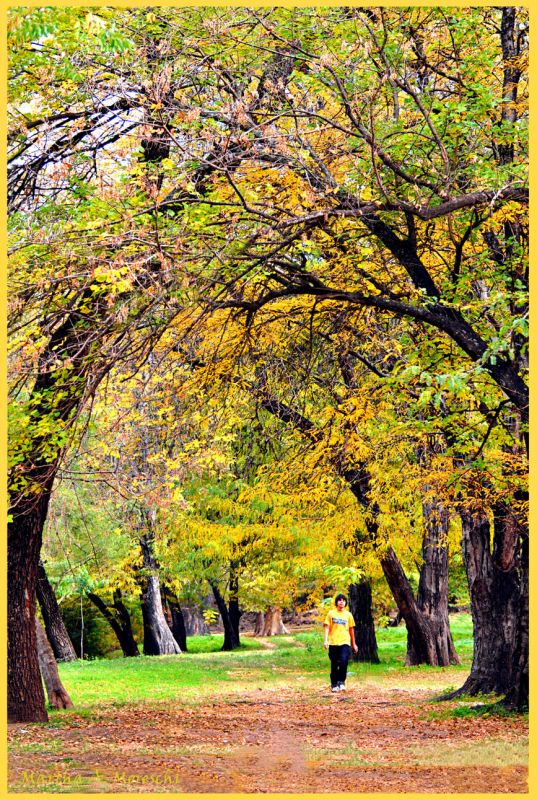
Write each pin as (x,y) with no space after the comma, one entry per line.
(127,642)
(259,623)
(517,696)
(26,700)
(432,596)
(495,595)
(119,620)
(57,635)
(175,618)
(57,695)
(417,624)
(158,639)
(418,627)
(234,611)
(195,624)
(231,636)
(364,631)
(273,624)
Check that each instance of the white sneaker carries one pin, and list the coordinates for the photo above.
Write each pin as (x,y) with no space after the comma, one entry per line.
(342,687)
(335,688)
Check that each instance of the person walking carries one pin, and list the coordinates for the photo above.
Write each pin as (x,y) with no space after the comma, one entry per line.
(338,640)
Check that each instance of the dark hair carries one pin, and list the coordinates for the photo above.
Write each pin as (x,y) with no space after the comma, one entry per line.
(340,597)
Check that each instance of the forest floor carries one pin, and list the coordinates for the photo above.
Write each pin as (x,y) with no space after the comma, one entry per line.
(287,733)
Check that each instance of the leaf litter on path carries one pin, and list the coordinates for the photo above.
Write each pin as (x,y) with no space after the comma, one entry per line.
(276,740)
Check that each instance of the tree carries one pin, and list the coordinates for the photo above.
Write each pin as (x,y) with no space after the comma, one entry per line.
(432,597)
(427,619)
(497,578)
(87,543)
(117,615)
(273,623)
(158,637)
(83,326)
(398,193)
(175,617)
(57,695)
(54,625)
(436,239)
(364,631)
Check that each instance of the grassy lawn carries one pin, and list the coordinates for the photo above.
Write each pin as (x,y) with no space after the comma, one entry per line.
(206,671)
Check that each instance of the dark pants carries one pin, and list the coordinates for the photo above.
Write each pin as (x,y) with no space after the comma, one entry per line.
(339,655)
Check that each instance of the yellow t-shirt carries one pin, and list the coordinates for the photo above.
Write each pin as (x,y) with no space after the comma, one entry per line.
(339,623)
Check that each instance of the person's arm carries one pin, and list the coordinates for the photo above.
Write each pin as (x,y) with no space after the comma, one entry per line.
(353,642)
(326,631)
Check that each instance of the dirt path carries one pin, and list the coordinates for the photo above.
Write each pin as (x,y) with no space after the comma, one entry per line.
(275,740)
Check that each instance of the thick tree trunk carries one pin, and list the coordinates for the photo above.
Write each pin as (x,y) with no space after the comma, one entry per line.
(495,601)
(174,616)
(57,635)
(517,696)
(364,631)
(424,647)
(158,639)
(119,620)
(234,614)
(57,695)
(273,623)
(432,598)
(195,624)
(26,700)
(231,636)
(259,623)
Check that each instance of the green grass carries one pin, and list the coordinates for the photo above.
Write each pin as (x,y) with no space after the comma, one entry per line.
(495,752)
(472,707)
(50,747)
(206,671)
